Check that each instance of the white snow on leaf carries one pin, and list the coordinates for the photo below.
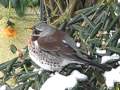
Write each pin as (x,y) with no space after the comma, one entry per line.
(30,88)
(111,33)
(61,82)
(119,62)
(115,56)
(109,58)
(4,87)
(105,59)
(118,1)
(77,44)
(39,70)
(99,51)
(111,77)
(118,41)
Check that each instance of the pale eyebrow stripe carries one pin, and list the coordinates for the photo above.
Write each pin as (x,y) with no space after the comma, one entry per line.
(35,35)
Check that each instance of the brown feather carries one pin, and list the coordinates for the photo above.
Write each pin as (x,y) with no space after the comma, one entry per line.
(55,43)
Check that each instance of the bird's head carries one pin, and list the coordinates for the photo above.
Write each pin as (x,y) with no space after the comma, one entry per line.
(42,30)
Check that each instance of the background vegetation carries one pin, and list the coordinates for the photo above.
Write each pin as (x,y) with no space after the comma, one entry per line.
(89,22)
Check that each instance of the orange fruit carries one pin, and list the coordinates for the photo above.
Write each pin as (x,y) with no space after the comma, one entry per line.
(9,31)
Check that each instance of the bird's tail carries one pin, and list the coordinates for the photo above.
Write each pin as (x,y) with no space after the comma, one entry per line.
(94,64)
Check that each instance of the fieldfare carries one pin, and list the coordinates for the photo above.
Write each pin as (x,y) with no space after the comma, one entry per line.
(53,49)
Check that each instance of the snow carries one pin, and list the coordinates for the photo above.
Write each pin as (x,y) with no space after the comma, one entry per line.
(39,70)
(61,82)
(4,87)
(30,88)
(111,77)
(112,32)
(78,44)
(99,51)
(105,59)
(118,1)
(118,41)
(109,58)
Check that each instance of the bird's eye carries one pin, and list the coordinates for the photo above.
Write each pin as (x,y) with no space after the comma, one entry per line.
(36,32)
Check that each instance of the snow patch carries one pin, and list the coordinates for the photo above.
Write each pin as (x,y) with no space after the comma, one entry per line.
(111,77)
(78,44)
(5,87)
(61,82)
(99,51)
(109,58)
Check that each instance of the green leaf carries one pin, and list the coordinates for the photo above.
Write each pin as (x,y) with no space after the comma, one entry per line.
(114,50)
(88,9)
(113,41)
(116,8)
(113,22)
(95,41)
(26,76)
(86,12)
(13,48)
(40,79)
(6,64)
(20,6)
(92,25)
(19,87)
(10,65)
(5,3)
(23,86)
(95,30)
(35,2)
(28,85)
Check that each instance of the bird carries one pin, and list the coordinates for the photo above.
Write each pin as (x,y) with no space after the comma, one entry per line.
(53,49)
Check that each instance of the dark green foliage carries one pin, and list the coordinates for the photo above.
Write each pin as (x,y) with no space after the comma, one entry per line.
(13,48)
(19,6)
(4,2)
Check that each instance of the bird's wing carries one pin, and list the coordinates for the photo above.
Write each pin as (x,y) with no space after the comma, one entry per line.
(59,42)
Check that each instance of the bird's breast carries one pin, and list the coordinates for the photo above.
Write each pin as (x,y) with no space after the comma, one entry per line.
(44,59)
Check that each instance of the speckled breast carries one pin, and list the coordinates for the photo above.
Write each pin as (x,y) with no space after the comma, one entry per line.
(44,59)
